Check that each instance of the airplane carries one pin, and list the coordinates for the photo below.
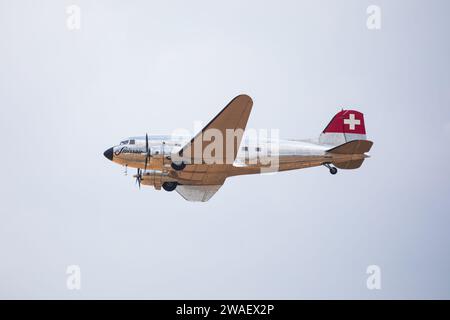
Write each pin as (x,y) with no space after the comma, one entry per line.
(197,167)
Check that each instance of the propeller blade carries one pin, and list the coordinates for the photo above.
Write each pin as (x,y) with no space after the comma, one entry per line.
(138,177)
(146,152)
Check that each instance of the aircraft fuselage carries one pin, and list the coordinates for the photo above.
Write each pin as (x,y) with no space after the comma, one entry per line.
(252,157)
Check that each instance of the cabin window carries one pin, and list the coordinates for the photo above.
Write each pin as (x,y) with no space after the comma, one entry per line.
(245,148)
(132,141)
(258,149)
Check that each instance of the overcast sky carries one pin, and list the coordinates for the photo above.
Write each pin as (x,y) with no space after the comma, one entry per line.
(137,67)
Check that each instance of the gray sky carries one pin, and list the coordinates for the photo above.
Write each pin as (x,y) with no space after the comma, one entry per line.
(143,66)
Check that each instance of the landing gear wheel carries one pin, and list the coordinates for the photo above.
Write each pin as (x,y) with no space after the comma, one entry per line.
(169,186)
(333,170)
(178,167)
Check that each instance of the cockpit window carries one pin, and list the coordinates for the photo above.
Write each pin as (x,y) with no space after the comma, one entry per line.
(124,142)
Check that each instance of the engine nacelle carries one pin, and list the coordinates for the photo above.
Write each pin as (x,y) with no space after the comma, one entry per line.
(155,178)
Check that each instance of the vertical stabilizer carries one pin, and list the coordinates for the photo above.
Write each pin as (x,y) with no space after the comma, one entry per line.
(346,125)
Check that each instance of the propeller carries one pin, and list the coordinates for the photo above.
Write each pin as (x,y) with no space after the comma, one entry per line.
(147,156)
(139,177)
(147,152)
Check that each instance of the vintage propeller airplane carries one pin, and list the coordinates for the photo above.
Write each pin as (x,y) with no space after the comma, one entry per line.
(197,167)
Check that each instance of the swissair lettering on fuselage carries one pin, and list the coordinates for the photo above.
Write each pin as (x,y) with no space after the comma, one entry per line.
(126,150)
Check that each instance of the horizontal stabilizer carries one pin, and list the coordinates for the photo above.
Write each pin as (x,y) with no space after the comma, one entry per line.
(352,164)
(353,147)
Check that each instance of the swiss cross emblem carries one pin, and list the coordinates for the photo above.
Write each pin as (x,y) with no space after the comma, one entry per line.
(352,121)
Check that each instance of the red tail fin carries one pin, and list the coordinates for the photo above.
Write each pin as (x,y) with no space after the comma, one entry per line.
(346,125)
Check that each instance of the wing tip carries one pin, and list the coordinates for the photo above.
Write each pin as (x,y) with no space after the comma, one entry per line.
(244,96)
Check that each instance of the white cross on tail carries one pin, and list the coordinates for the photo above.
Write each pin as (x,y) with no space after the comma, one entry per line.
(352,122)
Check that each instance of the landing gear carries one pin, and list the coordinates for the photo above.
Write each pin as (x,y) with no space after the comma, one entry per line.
(333,170)
(169,185)
(178,166)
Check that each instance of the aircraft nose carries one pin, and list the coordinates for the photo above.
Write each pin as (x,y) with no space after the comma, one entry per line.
(108,154)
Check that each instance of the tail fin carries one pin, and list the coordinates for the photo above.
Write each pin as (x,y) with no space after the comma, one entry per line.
(346,125)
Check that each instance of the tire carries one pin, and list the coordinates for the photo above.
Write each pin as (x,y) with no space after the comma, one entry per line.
(178,167)
(169,186)
(333,170)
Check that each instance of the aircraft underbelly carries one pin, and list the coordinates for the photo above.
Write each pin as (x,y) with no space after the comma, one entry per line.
(281,163)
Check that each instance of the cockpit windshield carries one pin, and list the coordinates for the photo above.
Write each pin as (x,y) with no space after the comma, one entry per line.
(132,141)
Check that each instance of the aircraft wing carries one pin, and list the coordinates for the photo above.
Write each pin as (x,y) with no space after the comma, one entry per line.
(197,193)
(208,177)
(234,116)
(199,182)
